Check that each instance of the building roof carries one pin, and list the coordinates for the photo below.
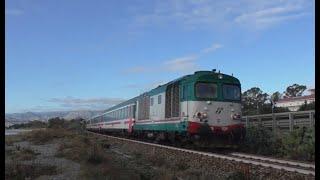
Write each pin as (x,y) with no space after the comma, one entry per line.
(299,98)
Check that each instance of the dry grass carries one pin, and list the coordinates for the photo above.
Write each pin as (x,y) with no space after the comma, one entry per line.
(24,154)
(44,136)
(10,140)
(22,171)
(82,148)
(21,154)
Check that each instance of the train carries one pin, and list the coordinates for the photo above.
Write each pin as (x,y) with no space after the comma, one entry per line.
(202,105)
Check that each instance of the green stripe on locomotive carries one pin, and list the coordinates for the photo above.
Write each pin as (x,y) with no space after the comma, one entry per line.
(174,127)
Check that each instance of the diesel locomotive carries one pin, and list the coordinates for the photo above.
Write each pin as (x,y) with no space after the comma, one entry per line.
(206,104)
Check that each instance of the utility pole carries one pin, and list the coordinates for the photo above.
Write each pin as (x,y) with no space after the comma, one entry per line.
(273,118)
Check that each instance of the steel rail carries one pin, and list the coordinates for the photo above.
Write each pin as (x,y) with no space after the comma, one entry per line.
(305,165)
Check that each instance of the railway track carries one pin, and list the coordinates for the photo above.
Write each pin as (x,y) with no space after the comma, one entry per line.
(267,162)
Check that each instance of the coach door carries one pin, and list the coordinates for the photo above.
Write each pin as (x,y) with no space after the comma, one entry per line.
(172,101)
(143,107)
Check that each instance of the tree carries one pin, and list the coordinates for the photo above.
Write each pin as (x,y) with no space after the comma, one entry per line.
(307,106)
(276,96)
(253,100)
(295,90)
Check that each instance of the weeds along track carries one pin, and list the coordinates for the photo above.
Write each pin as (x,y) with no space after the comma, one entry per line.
(254,160)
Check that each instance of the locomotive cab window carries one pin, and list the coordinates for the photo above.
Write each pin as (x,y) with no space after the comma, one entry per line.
(231,92)
(206,90)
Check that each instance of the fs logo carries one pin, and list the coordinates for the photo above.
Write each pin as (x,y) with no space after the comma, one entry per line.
(219,109)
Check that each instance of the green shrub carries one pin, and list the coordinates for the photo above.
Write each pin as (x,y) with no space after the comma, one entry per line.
(306,107)
(299,144)
(259,140)
(56,123)
(95,154)
(31,124)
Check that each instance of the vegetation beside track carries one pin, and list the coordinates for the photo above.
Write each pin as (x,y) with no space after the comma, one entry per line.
(96,156)
(296,145)
(30,125)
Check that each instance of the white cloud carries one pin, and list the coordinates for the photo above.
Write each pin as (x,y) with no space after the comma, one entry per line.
(91,103)
(182,64)
(219,14)
(268,16)
(212,48)
(14,12)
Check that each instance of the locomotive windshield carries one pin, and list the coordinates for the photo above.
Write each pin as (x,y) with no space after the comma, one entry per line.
(206,90)
(231,92)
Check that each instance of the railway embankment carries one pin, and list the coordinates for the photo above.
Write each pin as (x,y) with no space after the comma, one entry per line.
(205,164)
(64,150)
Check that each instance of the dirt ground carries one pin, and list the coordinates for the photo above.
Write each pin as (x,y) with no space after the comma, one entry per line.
(83,156)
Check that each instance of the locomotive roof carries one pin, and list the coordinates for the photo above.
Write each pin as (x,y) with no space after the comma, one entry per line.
(197,76)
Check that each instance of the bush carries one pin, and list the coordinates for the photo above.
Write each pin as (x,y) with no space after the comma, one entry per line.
(95,154)
(46,135)
(306,107)
(259,140)
(299,145)
(31,124)
(56,123)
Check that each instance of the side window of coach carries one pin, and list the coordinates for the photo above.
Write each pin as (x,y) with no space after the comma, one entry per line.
(159,99)
(185,92)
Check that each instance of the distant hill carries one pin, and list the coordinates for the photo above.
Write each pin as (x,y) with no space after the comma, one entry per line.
(44,116)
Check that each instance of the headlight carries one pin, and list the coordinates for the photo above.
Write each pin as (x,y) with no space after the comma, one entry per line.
(204,115)
(201,115)
(236,116)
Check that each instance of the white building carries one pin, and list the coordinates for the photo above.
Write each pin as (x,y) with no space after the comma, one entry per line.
(294,103)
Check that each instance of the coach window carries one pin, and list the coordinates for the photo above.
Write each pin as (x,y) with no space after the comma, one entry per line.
(151,102)
(159,99)
(129,111)
(123,113)
(185,92)
(126,115)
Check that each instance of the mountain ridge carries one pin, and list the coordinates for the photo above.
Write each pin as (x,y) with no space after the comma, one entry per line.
(44,116)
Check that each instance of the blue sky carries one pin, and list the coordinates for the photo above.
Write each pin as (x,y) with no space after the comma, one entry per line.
(77,54)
